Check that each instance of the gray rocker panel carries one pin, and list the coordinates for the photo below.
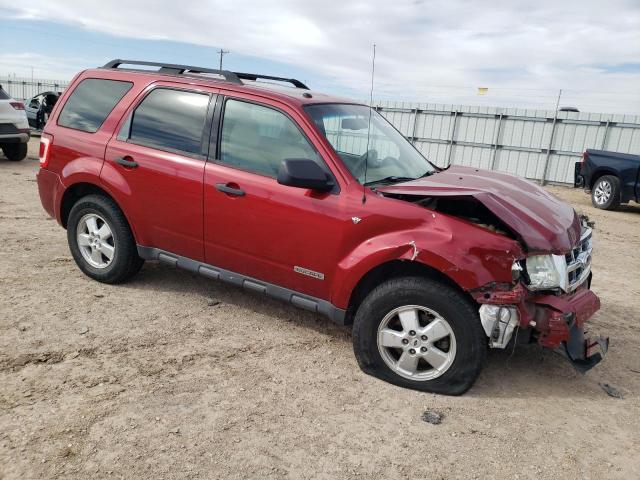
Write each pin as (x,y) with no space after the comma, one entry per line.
(298,299)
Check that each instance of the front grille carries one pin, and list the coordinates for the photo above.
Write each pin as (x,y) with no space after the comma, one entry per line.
(579,261)
(6,128)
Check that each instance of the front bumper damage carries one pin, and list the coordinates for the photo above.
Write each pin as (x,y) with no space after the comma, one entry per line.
(556,321)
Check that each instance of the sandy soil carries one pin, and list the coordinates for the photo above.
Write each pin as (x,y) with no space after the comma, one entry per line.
(147,380)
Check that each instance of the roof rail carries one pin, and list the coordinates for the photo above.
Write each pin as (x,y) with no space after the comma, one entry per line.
(176,69)
(233,77)
(256,76)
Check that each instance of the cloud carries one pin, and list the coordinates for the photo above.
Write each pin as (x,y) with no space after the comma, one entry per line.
(421,45)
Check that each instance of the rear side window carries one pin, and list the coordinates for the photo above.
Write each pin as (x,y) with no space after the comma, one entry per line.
(171,120)
(3,95)
(91,103)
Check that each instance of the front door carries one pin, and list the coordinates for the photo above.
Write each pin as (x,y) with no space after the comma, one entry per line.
(284,235)
(160,154)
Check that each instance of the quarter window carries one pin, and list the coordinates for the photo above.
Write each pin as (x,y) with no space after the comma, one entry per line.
(258,139)
(170,120)
(91,103)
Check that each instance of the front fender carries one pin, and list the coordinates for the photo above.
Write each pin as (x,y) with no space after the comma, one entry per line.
(471,256)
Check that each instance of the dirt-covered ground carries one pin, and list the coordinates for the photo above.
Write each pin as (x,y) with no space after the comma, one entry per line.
(156,379)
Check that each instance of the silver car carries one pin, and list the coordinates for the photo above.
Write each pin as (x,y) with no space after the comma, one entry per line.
(14,127)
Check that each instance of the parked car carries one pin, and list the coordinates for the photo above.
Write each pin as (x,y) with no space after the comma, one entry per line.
(14,128)
(39,108)
(612,178)
(319,202)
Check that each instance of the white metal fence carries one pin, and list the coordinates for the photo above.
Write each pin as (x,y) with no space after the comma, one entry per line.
(540,145)
(536,144)
(25,88)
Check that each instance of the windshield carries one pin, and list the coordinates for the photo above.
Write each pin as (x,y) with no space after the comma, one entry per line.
(389,157)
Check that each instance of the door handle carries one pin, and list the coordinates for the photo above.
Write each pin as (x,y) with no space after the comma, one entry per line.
(126,162)
(226,188)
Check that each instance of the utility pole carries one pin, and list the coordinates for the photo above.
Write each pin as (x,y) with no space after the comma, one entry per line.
(222,53)
(553,131)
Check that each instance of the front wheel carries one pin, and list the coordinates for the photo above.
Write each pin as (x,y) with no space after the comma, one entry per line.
(420,334)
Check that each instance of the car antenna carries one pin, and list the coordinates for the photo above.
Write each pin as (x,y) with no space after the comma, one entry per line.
(366,158)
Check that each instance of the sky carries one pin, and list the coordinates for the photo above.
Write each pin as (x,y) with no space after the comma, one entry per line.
(523,52)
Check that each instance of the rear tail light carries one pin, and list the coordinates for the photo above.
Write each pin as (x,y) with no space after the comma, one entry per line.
(585,157)
(17,105)
(45,150)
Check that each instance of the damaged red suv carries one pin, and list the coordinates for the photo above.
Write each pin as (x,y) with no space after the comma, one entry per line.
(322,203)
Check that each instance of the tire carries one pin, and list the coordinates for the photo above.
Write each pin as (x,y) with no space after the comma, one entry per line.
(15,151)
(605,193)
(118,241)
(403,295)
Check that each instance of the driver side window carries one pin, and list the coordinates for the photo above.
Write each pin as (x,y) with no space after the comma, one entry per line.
(257,139)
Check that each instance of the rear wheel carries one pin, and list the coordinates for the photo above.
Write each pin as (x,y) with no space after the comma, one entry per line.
(418,333)
(101,241)
(606,193)
(15,151)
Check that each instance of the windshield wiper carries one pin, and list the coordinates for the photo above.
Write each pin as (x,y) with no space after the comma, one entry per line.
(390,179)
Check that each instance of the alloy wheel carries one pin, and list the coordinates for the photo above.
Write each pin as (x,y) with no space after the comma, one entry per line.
(95,240)
(602,192)
(416,342)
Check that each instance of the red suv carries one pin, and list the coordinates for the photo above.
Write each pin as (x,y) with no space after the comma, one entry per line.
(319,202)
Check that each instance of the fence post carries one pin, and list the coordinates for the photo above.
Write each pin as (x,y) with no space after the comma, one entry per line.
(604,137)
(543,181)
(453,136)
(495,143)
(415,123)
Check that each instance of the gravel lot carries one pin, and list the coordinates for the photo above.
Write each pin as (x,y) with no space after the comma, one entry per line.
(156,379)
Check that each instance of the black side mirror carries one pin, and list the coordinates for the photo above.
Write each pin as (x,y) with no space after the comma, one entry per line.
(304,173)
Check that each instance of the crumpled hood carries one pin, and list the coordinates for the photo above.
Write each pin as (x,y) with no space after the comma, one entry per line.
(544,222)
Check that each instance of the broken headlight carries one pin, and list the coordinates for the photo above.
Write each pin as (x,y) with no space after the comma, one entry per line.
(543,272)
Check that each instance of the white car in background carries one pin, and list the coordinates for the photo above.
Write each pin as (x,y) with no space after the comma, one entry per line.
(14,127)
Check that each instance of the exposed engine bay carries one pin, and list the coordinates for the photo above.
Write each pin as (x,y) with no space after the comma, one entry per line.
(464,207)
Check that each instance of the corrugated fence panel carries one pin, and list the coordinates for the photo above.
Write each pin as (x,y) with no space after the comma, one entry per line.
(436,152)
(524,142)
(623,139)
(25,88)
(434,126)
(476,129)
(525,132)
(478,157)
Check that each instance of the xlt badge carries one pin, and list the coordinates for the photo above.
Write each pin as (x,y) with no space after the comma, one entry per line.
(309,273)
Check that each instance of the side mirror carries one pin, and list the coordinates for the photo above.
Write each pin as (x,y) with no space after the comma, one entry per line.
(304,173)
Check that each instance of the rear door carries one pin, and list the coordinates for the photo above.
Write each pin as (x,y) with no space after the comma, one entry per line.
(158,157)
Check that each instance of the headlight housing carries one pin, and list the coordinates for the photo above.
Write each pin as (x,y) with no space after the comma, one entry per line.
(544,272)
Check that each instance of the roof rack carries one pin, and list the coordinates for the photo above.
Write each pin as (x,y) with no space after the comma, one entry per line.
(175,69)
(233,77)
(256,76)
